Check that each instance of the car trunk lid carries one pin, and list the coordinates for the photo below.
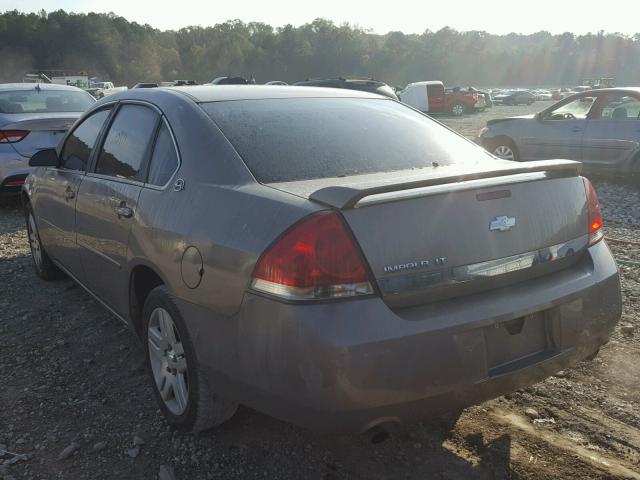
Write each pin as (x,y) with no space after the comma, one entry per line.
(45,130)
(449,231)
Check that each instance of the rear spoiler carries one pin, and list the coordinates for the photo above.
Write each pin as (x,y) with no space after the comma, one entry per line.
(344,197)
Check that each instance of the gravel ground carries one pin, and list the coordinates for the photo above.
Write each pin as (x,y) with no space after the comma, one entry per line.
(75,402)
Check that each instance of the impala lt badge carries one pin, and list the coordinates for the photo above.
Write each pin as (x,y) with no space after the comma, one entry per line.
(415,265)
(502,224)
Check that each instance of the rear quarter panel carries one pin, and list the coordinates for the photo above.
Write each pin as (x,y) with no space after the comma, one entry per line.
(222,212)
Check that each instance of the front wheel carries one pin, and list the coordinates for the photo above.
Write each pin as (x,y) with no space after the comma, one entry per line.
(186,398)
(44,266)
(457,109)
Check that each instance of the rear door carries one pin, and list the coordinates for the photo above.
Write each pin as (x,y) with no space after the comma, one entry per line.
(612,133)
(58,188)
(108,200)
(558,133)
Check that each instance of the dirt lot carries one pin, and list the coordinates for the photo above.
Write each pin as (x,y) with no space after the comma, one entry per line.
(73,376)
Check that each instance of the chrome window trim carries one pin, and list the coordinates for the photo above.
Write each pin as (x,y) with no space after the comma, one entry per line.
(103,176)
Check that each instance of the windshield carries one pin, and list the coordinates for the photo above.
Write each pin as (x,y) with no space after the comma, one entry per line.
(303,138)
(44,101)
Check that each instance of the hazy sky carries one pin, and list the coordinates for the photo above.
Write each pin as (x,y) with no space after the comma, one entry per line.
(494,16)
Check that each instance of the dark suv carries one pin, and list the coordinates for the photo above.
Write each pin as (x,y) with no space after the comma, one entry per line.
(366,85)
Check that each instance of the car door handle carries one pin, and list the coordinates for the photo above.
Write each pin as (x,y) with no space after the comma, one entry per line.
(69,194)
(576,129)
(123,211)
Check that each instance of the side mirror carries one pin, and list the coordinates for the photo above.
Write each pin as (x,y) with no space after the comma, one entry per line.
(44,158)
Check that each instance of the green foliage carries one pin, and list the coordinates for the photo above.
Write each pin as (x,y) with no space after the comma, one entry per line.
(113,48)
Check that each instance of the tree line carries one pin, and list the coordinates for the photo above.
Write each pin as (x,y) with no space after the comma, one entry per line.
(113,48)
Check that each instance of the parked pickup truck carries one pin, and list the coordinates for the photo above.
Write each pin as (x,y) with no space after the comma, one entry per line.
(431,97)
(104,89)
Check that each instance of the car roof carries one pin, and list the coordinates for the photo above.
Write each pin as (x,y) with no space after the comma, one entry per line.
(220,93)
(428,82)
(32,86)
(615,89)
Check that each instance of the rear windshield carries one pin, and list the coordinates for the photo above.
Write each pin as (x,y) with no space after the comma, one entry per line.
(44,101)
(284,140)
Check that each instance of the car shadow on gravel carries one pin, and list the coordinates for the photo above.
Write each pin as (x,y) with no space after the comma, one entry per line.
(11,218)
(427,450)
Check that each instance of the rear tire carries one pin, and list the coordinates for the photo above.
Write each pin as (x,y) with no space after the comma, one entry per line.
(186,398)
(457,109)
(44,266)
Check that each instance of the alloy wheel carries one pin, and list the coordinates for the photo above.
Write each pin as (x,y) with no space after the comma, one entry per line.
(168,361)
(34,241)
(505,152)
(457,109)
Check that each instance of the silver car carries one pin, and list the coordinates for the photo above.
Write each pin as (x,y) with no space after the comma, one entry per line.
(330,257)
(600,128)
(33,117)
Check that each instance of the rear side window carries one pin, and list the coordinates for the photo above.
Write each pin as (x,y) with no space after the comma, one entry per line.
(164,160)
(77,148)
(127,142)
(292,139)
(619,106)
(44,101)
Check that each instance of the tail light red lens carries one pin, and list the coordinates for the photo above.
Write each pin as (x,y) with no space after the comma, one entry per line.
(315,259)
(12,136)
(594,213)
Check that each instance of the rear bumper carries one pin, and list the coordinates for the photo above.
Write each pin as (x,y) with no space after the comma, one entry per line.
(346,366)
(13,170)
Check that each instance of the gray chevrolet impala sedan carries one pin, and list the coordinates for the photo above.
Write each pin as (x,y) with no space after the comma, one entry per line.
(332,258)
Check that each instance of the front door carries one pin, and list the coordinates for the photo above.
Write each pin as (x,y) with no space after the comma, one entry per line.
(436,98)
(613,132)
(58,190)
(558,133)
(108,200)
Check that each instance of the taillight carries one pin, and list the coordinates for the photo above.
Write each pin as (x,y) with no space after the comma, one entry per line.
(315,259)
(12,136)
(594,213)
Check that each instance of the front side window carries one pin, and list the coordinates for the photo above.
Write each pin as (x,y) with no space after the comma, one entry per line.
(77,148)
(577,109)
(164,160)
(127,142)
(619,106)
(434,90)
